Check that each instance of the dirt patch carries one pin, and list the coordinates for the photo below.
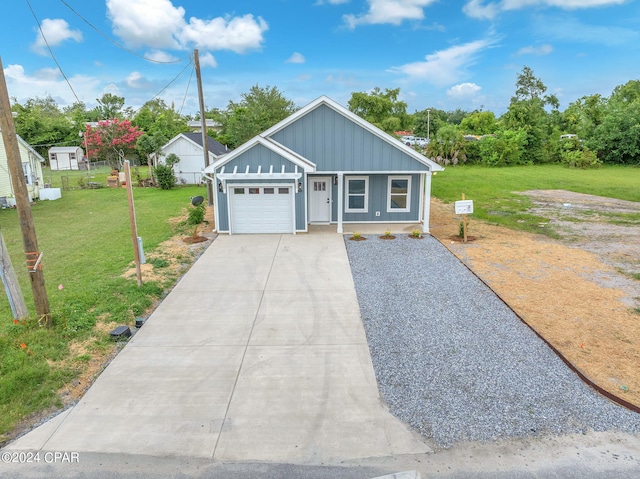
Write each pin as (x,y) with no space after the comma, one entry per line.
(577,291)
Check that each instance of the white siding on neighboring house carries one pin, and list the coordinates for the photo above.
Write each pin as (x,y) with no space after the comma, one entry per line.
(31,165)
(187,147)
(189,169)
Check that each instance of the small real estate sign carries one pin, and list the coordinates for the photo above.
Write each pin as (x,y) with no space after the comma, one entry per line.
(464,207)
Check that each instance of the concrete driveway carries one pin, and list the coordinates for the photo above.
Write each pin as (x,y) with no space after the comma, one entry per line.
(258,354)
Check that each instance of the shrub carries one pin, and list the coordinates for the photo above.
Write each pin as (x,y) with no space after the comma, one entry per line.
(196,216)
(580,159)
(164,176)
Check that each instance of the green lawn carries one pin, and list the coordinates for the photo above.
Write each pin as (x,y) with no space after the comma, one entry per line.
(86,240)
(494,190)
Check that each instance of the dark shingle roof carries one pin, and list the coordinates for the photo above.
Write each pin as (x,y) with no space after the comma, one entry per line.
(214,146)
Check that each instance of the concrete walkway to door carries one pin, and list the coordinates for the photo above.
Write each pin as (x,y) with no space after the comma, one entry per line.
(257,354)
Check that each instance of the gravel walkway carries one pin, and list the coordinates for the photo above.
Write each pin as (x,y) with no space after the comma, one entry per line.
(454,361)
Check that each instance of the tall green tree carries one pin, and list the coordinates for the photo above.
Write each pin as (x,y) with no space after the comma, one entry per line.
(41,123)
(381,108)
(527,111)
(109,107)
(479,123)
(258,110)
(159,120)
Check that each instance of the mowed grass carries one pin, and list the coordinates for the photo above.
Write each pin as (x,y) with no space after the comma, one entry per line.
(494,190)
(87,244)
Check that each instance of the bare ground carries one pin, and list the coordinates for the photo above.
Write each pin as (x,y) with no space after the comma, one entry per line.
(579,291)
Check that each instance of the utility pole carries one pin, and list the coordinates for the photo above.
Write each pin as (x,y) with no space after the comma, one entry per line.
(11,285)
(203,121)
(29,239)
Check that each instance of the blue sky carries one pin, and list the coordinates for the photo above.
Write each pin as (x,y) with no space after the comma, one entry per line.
(444,54)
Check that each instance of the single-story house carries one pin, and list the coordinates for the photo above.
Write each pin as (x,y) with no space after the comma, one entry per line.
(323,164)
(63,158)
(188,147)
(31,165)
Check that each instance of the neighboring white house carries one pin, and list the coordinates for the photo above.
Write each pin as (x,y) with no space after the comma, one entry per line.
(65,157)
(188,147)
(31,165)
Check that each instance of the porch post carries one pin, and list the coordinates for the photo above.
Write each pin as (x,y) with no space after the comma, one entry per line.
(427,202)
(340,201)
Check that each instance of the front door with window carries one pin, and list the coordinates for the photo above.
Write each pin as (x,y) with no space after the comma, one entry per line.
(319,199)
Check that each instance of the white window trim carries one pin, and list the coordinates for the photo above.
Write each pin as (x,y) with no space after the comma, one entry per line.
(366,195)
(399,210)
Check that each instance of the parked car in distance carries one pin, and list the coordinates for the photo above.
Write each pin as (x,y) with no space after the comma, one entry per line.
(421,142)
(408,140)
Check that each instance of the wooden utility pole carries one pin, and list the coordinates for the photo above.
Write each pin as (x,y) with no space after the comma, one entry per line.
(203,121)
(29,239)
(11,285)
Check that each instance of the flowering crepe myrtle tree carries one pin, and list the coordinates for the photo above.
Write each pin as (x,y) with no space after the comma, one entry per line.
(110,138)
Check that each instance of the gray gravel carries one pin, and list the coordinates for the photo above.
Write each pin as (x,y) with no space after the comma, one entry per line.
(454,362)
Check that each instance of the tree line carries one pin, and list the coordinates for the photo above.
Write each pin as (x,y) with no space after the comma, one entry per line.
(591,131)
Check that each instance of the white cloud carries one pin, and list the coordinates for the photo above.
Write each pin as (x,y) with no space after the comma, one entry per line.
(238,34)
(445,66)
(389,11)
(296,58)
(464,90)
(48,81)
(56,31)
(146,23)
(136,80)
(541,50)
(160,56)
(159,24)
(488,10)
(208,60)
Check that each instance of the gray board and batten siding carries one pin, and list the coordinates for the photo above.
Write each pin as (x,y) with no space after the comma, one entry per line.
(335,143)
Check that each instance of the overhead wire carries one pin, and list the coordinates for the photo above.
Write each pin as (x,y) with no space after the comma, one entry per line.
(51,51)
(186,92)
(120,46)
(180,60)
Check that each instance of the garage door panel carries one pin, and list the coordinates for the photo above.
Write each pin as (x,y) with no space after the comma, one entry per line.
(259,212)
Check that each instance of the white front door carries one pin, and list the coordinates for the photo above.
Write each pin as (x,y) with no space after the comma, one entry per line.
(319,199)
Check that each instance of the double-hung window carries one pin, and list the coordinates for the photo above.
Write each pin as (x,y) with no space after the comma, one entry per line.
(399,194)
(357,194)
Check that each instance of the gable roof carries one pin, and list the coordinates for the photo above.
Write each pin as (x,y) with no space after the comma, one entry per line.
(64,149)
(274,146)
(22,142)
(324,100)
(213,145)
(30,148)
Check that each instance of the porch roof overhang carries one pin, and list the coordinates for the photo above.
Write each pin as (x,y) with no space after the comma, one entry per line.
(258,175)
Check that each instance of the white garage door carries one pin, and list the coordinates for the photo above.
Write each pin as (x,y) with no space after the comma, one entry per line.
(261,209)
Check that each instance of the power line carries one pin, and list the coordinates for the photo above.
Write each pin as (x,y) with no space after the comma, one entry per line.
(118,44)
(186,92)
(51,51)
(169,84)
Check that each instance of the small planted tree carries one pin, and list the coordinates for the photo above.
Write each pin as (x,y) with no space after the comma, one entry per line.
(196,217)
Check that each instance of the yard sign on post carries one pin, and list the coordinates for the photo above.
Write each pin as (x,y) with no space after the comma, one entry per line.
(464,208)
